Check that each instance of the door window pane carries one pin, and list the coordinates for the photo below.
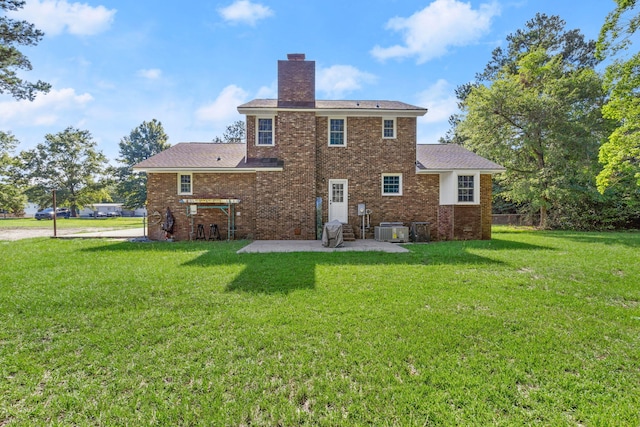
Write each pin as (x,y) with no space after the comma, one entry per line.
(337,193)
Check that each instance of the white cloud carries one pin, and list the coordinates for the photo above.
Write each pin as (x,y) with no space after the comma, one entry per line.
(441,101)
(43,110)
(56,16)
(430,32)
(224,109)
(338,80)
(268,92)
(243,11)
(150,74)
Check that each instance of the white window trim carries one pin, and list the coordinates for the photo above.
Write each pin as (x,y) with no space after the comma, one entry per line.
(329,131)
(382,184)
(395,128)
(180,175)
(273,131)
(476,189)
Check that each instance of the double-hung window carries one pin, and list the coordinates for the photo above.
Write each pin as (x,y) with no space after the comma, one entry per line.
(466,188)
(337,132)
(388,128)
(185,183)
(392,184)
(264,131)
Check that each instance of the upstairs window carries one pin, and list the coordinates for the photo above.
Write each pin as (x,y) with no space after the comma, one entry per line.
(185,183)
(388,128)
(466,186)
(337,132)
(392,184)
(264,134)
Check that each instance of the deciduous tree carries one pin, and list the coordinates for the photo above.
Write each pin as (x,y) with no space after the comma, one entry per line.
(620,155)
(69,163)
(536,110)
(234,133)
(12,198)
(143,142)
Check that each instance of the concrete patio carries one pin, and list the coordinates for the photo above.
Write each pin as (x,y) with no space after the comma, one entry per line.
(266,246)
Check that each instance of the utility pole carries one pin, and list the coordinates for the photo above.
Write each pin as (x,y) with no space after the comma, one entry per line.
(55,229)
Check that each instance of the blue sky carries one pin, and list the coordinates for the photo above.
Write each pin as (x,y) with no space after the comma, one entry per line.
(116,63)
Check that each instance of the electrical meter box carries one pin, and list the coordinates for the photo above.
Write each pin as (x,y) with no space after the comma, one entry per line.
(361,209)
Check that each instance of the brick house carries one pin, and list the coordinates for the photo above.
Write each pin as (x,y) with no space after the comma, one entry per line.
(308,161)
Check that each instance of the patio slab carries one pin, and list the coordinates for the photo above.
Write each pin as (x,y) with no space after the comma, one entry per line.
(267,246)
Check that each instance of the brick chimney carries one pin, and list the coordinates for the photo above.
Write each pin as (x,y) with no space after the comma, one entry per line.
(296,82)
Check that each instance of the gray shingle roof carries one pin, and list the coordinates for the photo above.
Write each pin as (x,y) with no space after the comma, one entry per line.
(341,105)
(205,155)
(214,156)
(438,157)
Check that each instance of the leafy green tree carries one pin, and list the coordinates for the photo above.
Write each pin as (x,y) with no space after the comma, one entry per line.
(69,163)
(536,110)
(620,155)
(235,133)
(12,34)
(144,141)
(12,198)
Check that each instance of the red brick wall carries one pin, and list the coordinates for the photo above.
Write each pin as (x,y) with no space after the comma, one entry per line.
(467,222)
(281,205)
(256,152)
(366,156)
(162,190)
(296,83)
(445,222)
(286,200)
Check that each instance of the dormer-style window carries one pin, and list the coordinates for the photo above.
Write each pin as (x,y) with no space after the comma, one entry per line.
(264,131)
(337,132)
(388,128)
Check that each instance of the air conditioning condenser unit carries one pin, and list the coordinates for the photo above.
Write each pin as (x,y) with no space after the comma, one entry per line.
(396,234)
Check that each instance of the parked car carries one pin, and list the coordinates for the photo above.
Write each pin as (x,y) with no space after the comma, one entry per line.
(113,214)
(98,214)
(47,213)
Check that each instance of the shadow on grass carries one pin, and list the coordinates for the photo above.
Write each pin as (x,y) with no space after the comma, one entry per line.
(630,239)
(291,271)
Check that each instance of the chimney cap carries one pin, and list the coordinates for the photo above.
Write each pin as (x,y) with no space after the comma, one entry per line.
(295,56)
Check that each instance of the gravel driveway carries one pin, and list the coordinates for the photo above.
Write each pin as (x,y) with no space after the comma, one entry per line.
(27,233)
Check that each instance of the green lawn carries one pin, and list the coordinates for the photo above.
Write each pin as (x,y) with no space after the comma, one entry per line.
(529,328)
(62,223)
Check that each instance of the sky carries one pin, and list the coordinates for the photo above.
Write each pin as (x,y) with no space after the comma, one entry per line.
(113,64)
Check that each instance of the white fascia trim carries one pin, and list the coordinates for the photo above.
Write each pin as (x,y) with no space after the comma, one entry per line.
(357,112)
(371,113)
(216,170)
(469,171)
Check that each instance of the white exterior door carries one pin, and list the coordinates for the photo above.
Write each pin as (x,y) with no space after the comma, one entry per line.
(338,200)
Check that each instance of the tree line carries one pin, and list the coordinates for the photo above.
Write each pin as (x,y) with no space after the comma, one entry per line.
(567,134)
(70,163)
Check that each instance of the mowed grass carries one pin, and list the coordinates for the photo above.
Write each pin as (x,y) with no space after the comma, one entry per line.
(63,223)
(529,328)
